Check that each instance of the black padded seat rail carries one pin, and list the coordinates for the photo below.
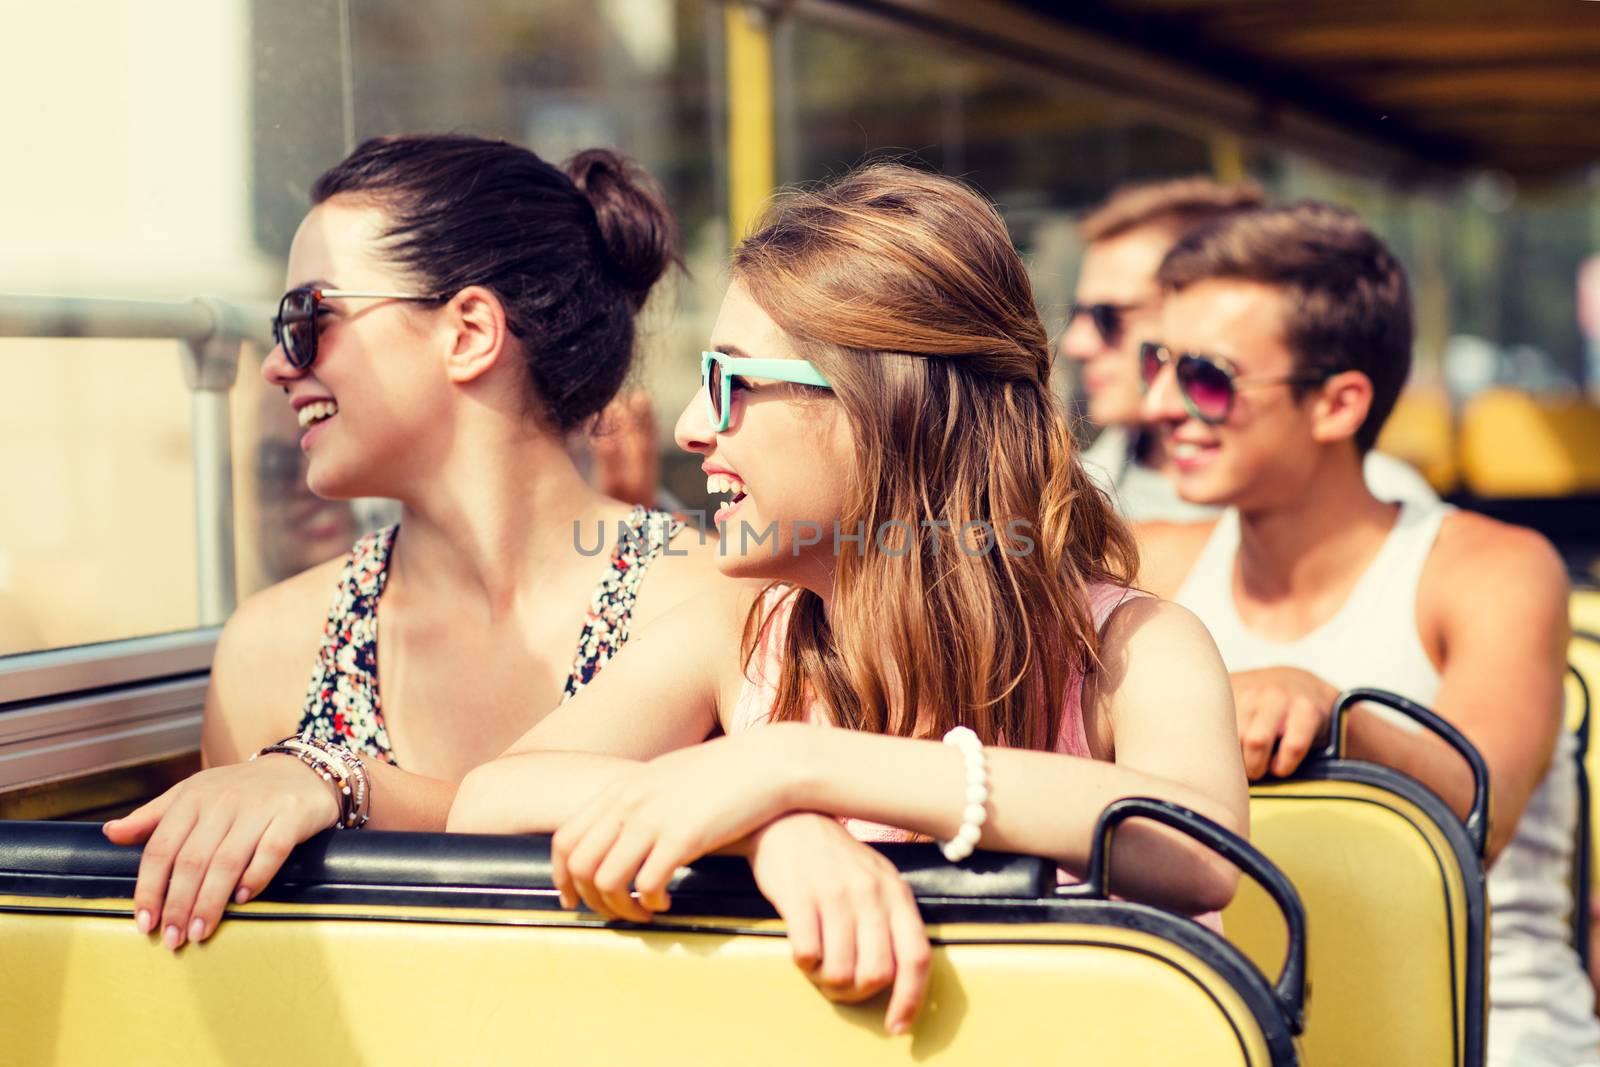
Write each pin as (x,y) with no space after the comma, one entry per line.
(76,860)
(1582,875)
(1477,821)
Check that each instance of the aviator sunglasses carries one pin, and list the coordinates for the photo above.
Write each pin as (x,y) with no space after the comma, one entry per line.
(718,370)
(294,327)
(1107,319)
(1208,384)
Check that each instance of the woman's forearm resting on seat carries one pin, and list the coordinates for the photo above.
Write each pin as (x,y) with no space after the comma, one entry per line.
(1039,803)
(531,792)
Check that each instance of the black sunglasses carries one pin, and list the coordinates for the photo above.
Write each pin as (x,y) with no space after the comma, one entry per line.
(294,327)
(1208,384)
(1107,319)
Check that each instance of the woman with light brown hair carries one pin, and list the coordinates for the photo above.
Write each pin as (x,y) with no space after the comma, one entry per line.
(938,567)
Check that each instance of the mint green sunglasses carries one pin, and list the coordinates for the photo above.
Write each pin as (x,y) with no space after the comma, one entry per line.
(718,369)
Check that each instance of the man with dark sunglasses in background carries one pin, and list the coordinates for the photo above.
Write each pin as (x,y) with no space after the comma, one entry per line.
(1286,340)
(1117,308)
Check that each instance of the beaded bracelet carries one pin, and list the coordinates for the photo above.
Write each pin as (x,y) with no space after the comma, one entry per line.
(361,796)
(327,769)
(976,810)
(338,767)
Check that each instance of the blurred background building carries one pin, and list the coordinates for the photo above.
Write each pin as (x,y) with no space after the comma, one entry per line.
(162,150)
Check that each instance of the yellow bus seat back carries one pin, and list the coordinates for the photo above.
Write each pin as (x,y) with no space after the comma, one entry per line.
(1394,893)
(1421,431)
(1585,608)
(432,948)
(1514,444)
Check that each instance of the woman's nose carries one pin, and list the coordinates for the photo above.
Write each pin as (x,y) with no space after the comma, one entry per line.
(693,431)
(277,369)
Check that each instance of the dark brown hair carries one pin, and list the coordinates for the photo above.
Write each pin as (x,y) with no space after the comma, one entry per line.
(1346,302)
(1177,205)
(572,254)
(905,290)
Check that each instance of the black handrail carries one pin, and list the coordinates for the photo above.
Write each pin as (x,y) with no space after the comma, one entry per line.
(421,864)
(1290,988)
(1582,872)
(1477,820)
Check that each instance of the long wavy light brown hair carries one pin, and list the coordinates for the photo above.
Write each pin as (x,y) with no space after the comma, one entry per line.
(904,289)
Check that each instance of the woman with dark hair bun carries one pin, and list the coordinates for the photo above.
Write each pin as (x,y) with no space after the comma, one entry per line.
(457,308)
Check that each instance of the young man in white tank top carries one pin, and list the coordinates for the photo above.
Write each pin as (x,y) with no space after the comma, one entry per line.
(1287,337)
(1117,305)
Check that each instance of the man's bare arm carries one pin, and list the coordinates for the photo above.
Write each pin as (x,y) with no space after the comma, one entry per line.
(1494,598)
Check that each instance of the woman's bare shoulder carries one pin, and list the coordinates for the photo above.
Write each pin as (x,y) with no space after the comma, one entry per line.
(263,662)
(1154,648)
(684,570)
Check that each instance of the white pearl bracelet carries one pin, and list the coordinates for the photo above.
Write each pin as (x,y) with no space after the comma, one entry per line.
(976,810)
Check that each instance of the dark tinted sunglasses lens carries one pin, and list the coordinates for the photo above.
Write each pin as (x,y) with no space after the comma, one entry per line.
(714,388)
(1150,362)
(297,321)
(1108,320)
(1208,387)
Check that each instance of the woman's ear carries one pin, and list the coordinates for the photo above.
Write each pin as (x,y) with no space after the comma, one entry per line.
(1341,407)
(478,333)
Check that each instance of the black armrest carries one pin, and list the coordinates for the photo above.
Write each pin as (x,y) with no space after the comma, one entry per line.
(75,859)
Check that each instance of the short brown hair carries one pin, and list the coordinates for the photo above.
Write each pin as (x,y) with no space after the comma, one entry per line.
(1180,205)
(1346,302)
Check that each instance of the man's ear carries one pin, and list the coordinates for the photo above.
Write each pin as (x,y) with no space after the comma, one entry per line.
(478,333)
(1341,406)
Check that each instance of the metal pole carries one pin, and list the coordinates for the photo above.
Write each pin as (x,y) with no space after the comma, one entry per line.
(199,320)
(211,333)
(23,315)
(750,114)
(209,368)
(213,506)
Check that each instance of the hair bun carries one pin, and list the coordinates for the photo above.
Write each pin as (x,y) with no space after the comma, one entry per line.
(636,227)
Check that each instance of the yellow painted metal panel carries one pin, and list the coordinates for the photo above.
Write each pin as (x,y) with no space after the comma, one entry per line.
(1517,445)
(515,988)
(751,141)
(1227,157)
(1421,431)
(1384,916)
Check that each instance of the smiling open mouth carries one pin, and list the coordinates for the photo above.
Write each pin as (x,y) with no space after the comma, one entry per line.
(315,412)
(727,485)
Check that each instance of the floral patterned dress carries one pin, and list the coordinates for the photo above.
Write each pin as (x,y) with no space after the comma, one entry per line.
(342,704)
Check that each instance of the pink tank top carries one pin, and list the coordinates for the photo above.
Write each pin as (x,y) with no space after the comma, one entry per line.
(760,691)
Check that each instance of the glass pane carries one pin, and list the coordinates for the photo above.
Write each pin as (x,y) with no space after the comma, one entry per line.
(1042,148)
(97,531)
(281,527)
(556,75)
(136,185)
(171,152)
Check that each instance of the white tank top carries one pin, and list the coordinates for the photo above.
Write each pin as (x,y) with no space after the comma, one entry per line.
(1541,1003)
